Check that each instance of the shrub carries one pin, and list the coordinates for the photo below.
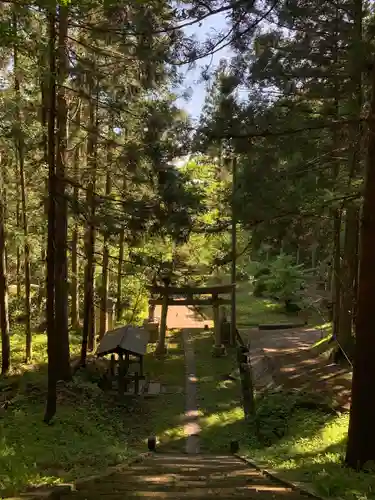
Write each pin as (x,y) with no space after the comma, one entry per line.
(282,280)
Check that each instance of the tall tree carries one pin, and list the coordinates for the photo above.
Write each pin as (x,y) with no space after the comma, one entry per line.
(52,343)
(61,222)
(361,436)
(20,147)
(4,317)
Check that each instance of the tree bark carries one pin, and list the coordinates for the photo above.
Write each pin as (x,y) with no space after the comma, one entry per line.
(18,251)
(336,212)
(350,262)
(88,334)
(61,223)
(348,274)
(120,266)
(51,241)
(88,337)
(361,435)
(105,263)
(43,83)
(21,163)
(4,316)
(74,313)
(336,288)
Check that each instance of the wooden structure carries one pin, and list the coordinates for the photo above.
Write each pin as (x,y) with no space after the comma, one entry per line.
(130,344)
(186,296)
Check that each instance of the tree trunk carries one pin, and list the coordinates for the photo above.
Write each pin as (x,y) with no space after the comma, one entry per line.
(18,251)
(361,435)
(61,224)
(21,163)
(74,313)
(120,268)
(348,274)
(356,278)
(336,288)
(88,338)
(105,263)
(88,334)
(43,83)
(350,261)
(119,276)
(336,212)
(51,242)
(4,317)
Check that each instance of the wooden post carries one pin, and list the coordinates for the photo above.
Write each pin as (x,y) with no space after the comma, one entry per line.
(136,383)
(246,382)
(219,349)
(112,366)
(161,349)
(121,384)
(151,313)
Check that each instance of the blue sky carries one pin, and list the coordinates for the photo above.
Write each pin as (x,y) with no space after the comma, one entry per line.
(193,76)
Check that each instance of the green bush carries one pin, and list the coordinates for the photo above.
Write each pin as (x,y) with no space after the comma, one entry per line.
(275,410)
(260,286)
(282,280)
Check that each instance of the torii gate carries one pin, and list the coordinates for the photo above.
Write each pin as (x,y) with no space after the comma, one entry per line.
(167,297)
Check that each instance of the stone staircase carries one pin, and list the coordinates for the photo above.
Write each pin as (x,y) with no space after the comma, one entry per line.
(184,476)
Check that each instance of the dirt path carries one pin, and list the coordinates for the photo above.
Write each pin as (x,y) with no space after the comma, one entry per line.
(182,317)
(288,358)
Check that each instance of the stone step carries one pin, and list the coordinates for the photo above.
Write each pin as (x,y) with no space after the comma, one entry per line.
(185,476)
(182,482)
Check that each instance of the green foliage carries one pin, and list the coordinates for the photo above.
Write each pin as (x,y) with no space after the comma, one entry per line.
(282,279)
(272,417)
(275,409)
(93,430)
(311,451)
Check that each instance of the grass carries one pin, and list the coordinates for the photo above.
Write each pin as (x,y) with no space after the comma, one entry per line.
(221,414)
(252,311)
(92,430)
(312,451)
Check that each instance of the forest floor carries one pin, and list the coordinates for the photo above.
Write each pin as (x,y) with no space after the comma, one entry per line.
(92,430)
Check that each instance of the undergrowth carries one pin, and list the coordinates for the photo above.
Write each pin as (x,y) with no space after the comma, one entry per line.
(92,429)
(306,445)
(296,434)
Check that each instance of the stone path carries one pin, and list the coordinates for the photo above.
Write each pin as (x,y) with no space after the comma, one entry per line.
(192,428)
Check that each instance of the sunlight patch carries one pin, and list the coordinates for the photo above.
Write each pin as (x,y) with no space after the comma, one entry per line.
(223,418)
